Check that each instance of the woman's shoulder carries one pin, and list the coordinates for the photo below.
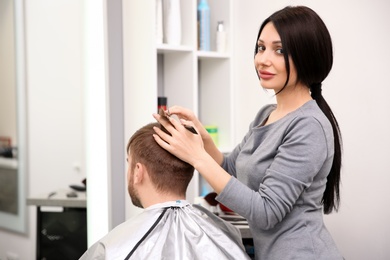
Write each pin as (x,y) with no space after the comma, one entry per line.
(309,117)
(312,112)
(309,113)
(309,120)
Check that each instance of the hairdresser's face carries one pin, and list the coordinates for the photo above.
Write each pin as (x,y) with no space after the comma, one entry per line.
(130,184)
(269,60)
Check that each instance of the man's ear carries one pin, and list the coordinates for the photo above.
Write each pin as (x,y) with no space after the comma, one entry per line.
(139,173)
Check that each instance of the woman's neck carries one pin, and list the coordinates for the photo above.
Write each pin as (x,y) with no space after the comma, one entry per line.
(289,100)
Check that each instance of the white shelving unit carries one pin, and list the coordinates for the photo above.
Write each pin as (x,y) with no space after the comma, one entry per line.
(198,80)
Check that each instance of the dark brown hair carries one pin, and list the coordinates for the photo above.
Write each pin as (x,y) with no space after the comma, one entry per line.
(168,173)
(307,41)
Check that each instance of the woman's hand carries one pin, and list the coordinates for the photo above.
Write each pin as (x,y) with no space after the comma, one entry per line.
(182,143)
(196,149)
(187,117)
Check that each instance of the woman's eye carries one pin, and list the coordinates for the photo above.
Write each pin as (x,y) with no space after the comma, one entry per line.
(260,48)
(279,51)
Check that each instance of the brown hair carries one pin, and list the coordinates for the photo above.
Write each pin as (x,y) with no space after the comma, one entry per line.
(168,173)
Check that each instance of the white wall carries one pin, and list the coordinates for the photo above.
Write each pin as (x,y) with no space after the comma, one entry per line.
(55,108)
(357,90)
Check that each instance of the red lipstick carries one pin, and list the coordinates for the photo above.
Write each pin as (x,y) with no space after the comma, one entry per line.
(263,74)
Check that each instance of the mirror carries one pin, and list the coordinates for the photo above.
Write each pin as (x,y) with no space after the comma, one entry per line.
(12,117)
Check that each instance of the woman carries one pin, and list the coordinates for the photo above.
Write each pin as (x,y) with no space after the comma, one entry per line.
(286,170)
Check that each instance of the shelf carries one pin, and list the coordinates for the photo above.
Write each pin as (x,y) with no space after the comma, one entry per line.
(212,55)
(59,199)
(166,48)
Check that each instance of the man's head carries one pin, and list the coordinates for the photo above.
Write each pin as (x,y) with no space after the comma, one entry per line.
(166,173)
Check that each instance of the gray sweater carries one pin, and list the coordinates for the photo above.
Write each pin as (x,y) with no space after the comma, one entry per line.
(281,171)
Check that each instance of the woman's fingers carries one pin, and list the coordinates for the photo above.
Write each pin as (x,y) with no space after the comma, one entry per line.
(181,112)
(170,124)
(187,117)
(161,138)
(165,121)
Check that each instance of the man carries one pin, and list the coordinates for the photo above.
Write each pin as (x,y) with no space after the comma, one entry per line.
(169,227)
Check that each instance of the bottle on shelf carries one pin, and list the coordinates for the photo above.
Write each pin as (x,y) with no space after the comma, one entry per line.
(220,39)
(204,25)
(213,132)
(172,22)
(162,103)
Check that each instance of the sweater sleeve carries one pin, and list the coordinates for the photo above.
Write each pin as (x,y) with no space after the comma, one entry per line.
(298,160)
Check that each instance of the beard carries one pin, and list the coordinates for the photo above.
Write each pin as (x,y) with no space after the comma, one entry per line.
(134,193)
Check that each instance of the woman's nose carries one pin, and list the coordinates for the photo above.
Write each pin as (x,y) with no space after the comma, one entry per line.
(262,59)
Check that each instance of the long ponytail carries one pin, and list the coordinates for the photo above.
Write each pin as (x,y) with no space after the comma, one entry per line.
(331,196)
